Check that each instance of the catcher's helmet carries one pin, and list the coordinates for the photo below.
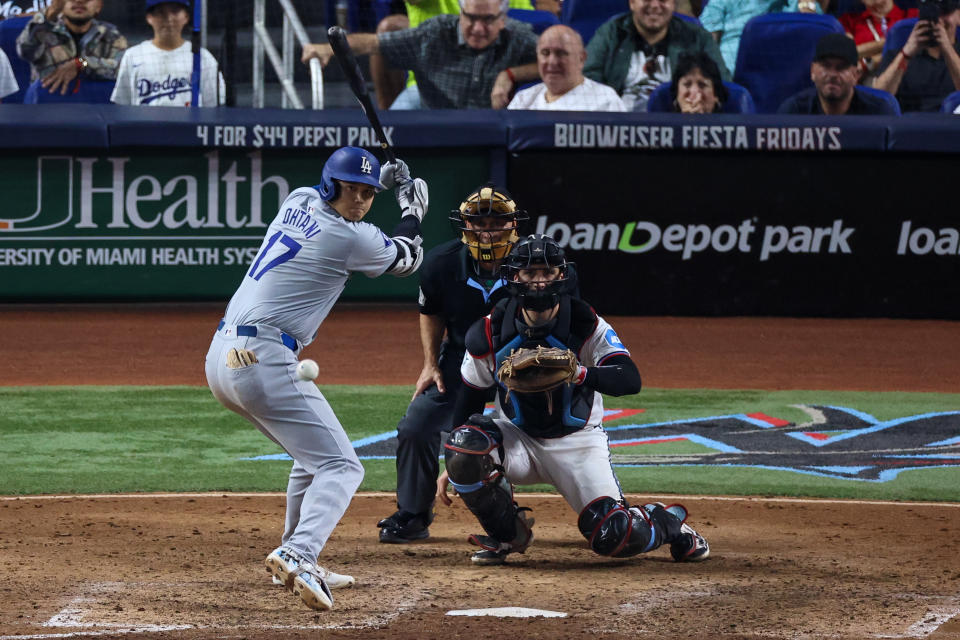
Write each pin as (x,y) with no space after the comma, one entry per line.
(536,251)
(349,164)
(488,210)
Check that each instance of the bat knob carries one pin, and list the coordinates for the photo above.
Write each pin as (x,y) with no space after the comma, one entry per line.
(334,32)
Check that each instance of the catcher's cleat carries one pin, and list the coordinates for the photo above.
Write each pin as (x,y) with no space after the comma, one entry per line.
(404,527)
(486,557)
(493,552)
(304,578)
(693,547)
(690,546)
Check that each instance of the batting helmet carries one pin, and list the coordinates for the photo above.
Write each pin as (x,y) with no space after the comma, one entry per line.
(487,221)
(349,164)
(536,251)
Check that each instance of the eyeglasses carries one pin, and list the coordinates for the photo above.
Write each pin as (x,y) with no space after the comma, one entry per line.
(485,20)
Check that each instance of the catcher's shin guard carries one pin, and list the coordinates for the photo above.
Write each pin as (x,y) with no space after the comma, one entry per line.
(613,529)
(472,457)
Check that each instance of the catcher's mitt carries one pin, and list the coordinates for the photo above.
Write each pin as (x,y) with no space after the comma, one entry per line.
(540,369)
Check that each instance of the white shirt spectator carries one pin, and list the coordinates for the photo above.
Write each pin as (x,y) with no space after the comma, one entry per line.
(587,96)
(8,83)
(154,77)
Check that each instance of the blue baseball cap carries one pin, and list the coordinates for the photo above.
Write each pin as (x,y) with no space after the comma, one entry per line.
(152,3)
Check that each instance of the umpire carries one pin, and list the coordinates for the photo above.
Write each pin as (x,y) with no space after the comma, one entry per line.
(459,283)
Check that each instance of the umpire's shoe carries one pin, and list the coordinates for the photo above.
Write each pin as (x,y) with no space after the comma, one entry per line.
(403,527)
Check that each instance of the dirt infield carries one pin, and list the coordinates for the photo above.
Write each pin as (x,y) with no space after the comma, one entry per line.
(191,566)
(152,344)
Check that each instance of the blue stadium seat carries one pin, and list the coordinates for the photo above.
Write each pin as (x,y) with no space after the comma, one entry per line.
(886,95)
(584,16)
(739,101)
(950,102)
(89,91)
(776,50)
(539,20)
(897,35)
(9,30)
(359,19)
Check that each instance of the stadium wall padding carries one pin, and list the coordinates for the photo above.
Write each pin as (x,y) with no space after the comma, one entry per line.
(664,214)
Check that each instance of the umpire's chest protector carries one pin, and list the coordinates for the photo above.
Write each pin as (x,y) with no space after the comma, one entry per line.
(539,414)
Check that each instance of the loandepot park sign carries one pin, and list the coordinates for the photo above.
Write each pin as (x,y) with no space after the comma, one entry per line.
(747,236)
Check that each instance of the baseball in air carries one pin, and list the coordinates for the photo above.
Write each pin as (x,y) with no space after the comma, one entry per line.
(308,369)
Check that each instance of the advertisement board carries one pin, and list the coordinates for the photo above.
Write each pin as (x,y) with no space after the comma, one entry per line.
(177,224)
(673,233)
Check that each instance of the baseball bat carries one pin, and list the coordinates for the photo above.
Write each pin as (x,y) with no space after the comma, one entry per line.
(351,69)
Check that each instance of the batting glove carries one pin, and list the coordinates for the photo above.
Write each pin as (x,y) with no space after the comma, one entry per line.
(393,174)
(412,198)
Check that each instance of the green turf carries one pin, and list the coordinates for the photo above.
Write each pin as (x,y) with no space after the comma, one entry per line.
(113,439)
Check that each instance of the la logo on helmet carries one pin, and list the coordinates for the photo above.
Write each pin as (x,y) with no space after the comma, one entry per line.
(365,166)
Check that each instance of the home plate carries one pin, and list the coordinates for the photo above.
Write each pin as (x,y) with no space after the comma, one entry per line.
(509,612)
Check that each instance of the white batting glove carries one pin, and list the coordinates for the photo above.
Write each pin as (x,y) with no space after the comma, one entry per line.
(393,174)
(413,198)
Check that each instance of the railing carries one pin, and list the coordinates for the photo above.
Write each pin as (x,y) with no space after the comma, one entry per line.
(283,64)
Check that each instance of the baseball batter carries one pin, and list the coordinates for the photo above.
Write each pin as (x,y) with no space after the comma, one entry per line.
(459,283)
(554,436)
(316,241)
(157,72)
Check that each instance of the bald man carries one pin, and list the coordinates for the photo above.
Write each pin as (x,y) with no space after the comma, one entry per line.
(560,60)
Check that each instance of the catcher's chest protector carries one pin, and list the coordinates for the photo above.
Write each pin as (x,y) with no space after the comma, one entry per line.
(536,413)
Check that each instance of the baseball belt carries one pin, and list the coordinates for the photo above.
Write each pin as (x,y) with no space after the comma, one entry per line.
(250,331)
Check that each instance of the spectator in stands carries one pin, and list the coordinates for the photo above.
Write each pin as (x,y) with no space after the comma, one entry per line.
(388,83)
(470,61)
(697,86)
(158,72)
(726,19)
(869,28)
(8,83)
(67,42)
(560,58)
(927,69)
(636,52)
(835,72)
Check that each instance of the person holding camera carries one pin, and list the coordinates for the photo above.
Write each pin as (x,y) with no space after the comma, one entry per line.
(927,69)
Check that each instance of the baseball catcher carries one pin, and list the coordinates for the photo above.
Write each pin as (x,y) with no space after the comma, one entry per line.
(459,284)
(550,357)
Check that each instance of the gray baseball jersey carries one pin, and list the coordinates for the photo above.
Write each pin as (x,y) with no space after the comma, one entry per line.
(303,264)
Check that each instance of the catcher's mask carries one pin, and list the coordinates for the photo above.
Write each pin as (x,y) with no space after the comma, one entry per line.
(536,252)
(348,164)
(487,221)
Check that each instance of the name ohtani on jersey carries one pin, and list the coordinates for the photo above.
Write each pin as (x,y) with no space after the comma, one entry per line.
(300,219)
